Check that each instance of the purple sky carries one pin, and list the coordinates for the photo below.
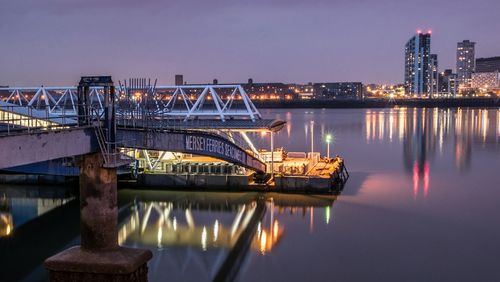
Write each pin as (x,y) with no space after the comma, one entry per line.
(54,42)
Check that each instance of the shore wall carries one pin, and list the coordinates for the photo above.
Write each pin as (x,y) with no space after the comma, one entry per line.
(382,103)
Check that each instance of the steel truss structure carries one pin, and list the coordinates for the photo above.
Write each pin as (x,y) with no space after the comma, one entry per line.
(139,99)
(182,102)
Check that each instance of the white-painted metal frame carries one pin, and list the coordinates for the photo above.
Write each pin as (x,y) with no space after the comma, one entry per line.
(64,100)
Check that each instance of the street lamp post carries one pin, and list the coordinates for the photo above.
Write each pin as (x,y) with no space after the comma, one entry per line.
(312,139)
(328,141)
(272,156)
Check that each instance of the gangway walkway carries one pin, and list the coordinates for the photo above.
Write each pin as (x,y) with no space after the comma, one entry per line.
(46,126)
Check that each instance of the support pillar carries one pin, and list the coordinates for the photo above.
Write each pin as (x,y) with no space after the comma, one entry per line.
(99,257)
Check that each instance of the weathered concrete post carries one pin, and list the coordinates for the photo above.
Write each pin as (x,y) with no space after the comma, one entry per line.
(98,204)
(99,258)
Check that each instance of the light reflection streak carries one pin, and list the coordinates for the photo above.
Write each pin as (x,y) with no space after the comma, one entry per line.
(327,214)
(425,132)
(498,123)
(311,219)
(415,180)
(204,238)
(216,230)
(368,125)
(426,180)
(263,241)
(391,125)
(381,125)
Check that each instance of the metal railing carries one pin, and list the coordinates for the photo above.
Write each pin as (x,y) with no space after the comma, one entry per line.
(16,119)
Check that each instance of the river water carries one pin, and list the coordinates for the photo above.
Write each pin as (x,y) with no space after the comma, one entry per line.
(421,204)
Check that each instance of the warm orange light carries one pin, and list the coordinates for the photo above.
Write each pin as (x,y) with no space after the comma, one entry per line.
(263,241)
(275,229)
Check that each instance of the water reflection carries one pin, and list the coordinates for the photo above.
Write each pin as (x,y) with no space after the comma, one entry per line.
(169,224)
(192,234)
(425,131)
(371,140)
(35,223)
(6,220)
(20,204)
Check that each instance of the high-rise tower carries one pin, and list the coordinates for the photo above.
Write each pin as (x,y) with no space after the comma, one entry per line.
(465,63)
(417,64)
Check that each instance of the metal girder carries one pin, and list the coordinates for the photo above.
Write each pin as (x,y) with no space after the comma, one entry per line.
(199,143)
(198,101)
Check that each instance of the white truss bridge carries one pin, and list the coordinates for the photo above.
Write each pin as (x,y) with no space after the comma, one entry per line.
(181,102)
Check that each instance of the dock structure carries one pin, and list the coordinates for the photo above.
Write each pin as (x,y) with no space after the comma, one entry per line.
(292,175)
(102,128)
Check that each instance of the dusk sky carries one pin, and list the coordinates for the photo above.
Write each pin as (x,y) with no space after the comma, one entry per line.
(54,42)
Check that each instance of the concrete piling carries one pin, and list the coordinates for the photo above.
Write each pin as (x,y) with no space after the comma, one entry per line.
(99,258)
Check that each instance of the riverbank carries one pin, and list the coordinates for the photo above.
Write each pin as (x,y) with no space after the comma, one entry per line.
(382,103)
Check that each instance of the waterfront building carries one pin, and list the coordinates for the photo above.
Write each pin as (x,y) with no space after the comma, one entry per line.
(338,90)
(447,83)
(417,67)
(465,63)
(434,81)
(486,81)
(268,90)
(453,83)
(303,91)
(488,64)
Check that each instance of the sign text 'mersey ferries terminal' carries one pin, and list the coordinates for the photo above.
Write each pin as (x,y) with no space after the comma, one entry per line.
(214,147)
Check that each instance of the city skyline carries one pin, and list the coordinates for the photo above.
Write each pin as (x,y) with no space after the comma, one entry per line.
(56,42)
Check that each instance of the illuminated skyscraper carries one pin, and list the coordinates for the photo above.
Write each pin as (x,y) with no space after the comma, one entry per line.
(465,62)
(434,81)
(417,64)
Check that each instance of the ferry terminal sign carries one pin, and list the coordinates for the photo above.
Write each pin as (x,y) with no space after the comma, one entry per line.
(213,146)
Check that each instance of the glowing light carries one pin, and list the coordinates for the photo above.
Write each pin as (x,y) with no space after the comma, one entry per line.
(263,239)
(175,223)
(419,31)
(429,31)
(328,138)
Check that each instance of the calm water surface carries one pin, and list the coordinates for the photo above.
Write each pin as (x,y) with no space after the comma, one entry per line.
(422,204)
